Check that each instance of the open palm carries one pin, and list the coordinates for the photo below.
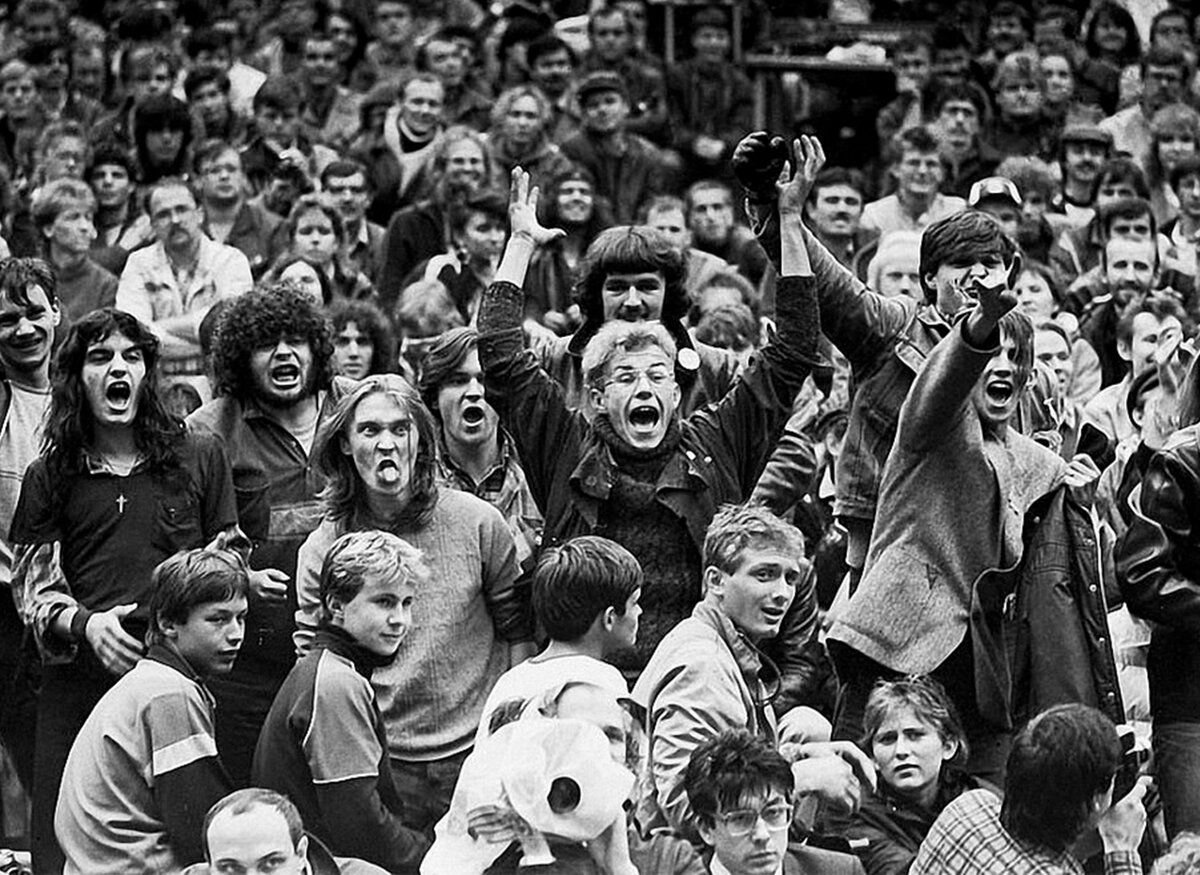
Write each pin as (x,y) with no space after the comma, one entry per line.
(522,211)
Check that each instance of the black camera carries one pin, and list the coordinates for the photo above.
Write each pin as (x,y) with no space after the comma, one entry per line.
(1133,758)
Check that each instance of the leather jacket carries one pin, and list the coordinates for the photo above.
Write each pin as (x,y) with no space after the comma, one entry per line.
(1158,569)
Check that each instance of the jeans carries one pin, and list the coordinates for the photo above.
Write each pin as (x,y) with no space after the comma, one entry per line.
(425,789)
(1177,773)
(243,698)
(68,695)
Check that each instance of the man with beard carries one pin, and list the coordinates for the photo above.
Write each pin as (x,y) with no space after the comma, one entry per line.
(917,168)
(330,114)
(119,487)
(1129,270)
(172,284)
(271,369)
(958,112)
(229,217)
(640,473)
(417,232)
(1164,80)
(1083,150)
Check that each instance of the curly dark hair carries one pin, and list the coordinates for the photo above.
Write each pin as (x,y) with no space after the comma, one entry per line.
(69,425)
(258,319)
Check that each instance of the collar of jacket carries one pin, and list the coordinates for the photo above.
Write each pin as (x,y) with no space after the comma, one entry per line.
(596,472)
(758,671)
(339,641)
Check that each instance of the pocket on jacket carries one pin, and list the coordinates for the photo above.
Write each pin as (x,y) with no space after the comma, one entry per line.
(177,524)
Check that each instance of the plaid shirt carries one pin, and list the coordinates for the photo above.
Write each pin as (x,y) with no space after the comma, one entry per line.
(968,839)
(505,488)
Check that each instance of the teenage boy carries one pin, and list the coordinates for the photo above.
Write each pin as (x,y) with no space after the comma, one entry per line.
(953,504)
(709,674)
(145,763)
(323,743)
(585,598)
(741,789)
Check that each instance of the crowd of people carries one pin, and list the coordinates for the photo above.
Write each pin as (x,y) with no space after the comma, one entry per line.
(444,439)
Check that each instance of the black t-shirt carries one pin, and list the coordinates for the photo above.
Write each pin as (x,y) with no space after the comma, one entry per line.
(113,530)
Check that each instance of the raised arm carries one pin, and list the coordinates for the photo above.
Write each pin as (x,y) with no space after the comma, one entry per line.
(945,382)
(859,322)
(531,404)
(744,426)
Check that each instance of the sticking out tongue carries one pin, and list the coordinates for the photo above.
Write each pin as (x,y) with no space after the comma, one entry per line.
(389,474)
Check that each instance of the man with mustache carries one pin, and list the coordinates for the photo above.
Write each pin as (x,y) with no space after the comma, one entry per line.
(1083,150)
(119,487)
(271,369)
(834,213)
(172,284)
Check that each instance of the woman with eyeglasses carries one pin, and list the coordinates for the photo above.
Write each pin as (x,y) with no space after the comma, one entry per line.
(377,454)
(912,733)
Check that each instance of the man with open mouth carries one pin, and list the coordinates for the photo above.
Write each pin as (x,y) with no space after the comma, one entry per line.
(271,367)
(120,486)
(478,456)
(640,472)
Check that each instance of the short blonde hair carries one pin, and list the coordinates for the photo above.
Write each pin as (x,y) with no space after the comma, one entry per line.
(624,337)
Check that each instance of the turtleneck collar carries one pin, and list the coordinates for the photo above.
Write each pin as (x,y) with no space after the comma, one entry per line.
(341,642)
(623,451)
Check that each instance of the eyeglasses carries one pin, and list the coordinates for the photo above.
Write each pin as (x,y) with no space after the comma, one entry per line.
(657,375)
(777,816)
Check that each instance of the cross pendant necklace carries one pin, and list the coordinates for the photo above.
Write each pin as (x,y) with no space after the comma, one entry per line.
(121,502)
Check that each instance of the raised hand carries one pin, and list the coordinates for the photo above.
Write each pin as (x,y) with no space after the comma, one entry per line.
(522,211)
(757,161)
(796,179)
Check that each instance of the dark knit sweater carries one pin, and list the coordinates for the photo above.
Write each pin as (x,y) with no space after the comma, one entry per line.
(653,533)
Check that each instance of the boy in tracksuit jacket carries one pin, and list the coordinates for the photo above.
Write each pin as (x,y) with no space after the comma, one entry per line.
(323,744)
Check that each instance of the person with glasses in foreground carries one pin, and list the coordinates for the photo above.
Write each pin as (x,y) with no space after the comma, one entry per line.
(741,789)
(642,473)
